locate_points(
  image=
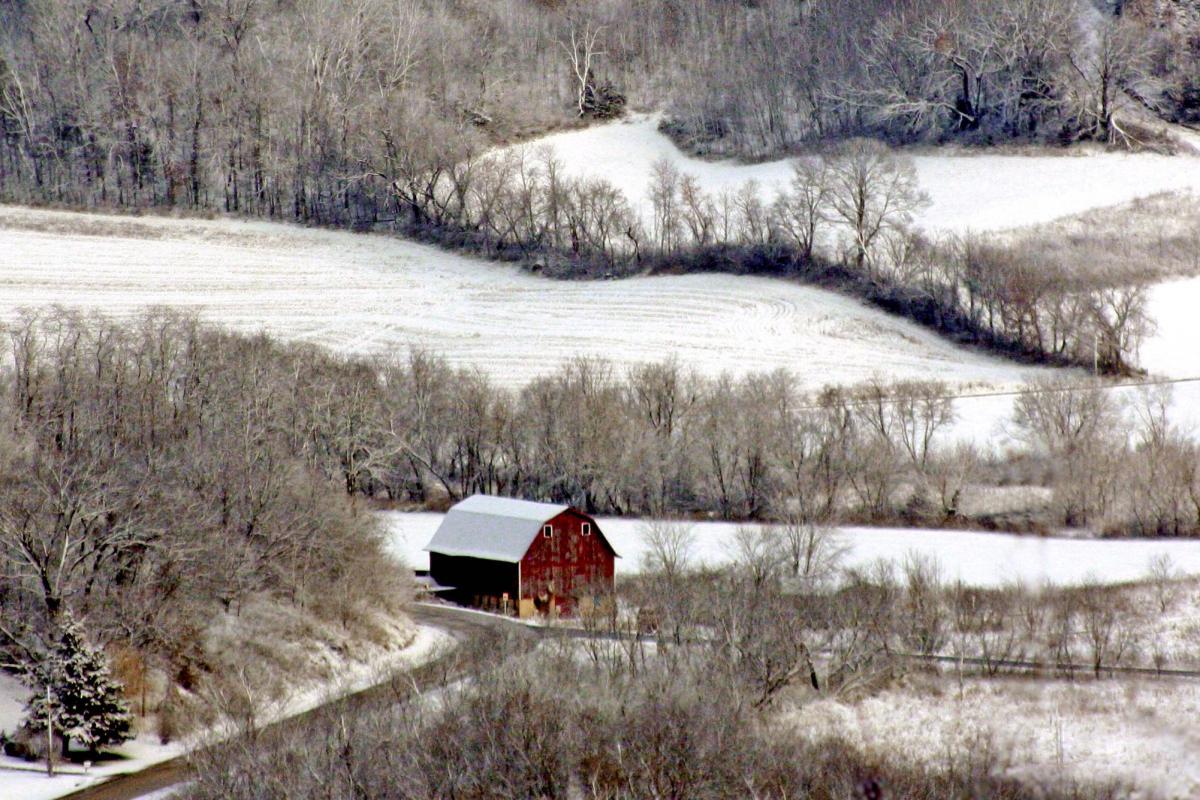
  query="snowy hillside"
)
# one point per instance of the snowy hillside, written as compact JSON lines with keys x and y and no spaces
{"x":1174,"y":349}
{"x":967,"y":190}
{"x":364,"y":666}
{"x":379,"y":295}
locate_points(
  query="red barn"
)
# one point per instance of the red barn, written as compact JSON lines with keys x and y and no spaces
{"x":520,"y":557}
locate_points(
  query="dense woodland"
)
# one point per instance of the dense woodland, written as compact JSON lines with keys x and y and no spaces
{"x":154,"y":476}
{"x":315,"y":110}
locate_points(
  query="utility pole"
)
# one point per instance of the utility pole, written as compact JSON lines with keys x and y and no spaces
{"x":49,"y":735}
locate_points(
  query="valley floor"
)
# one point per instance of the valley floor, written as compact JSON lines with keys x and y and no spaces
{"x":976,"y":558}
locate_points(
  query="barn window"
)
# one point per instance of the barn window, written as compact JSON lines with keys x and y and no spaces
{"x":587,"y":529}
{"x":548,"y":531}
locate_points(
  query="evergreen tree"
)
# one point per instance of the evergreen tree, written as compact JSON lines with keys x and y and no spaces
{"x":83,"y":700}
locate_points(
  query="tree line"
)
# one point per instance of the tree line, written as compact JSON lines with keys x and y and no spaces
{"x":994,"y":71}
{"x":96,"y":395}
{"x":794,"y":614}
{"x":161,"y":458}
{"x":307,"y":109}
{"x":842,"y":220}
{"x":661,"y":440}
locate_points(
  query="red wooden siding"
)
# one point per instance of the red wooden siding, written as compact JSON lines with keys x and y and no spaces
{"x":567,"y":565}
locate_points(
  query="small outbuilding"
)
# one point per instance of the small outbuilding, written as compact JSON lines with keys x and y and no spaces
{"x":521,"y":557}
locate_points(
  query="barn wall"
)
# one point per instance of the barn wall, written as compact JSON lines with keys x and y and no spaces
{"x":477,"y":581}
{"x":568,"y":565}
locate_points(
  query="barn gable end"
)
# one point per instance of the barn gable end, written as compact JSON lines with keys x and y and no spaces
{"x":567,"y":564}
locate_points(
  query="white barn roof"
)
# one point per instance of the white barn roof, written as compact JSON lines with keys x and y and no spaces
{"x":495,"y":528}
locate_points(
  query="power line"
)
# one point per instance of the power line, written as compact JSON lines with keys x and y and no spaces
{"x":1030,"y":389}
{"x":1035,"y":389}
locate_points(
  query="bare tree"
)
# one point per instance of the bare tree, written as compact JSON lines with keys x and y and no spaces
{"x":670,"y":548}
{"x":801,"y":210}
{"x":872,"y":193}
{"x":1164,"y":581}
{"x":699,"y":212}
{"x":1111,"y":65}
{"x":1108,"y":628}
{"x":814,"y":551}
{"x":582,"y":48}
{"x":1077,"y":426}
{"x":758,"y":550}
{"x":984,"y":624}
{"x":1120,"y":321}
{"x":664,"y":198}
{"x":924,"y":615}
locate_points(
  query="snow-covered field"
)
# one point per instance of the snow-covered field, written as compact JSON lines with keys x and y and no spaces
{"x":967,"y":190}
{"x":1136,"y":733}
{"x":380,"y":295}
{"x":1174,"y":348}
{"x":977,"y":558}
{"x":22,"y":781}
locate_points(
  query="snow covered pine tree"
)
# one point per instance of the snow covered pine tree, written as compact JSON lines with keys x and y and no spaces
{"x":74,"y":687}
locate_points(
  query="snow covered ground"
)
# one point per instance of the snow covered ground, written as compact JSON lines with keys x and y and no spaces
{"x":1174,"y":348}
{"x":380,"y":295}
{"x":23,"y":781}
{"x":429,"y":643}
{"x":977,"y":558}
{"x":1140,"y":734}
{"x":968,"y":190}
{"x":12,"y":702}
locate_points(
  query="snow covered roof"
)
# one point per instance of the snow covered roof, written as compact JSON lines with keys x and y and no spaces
{"x":495,"y":528}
